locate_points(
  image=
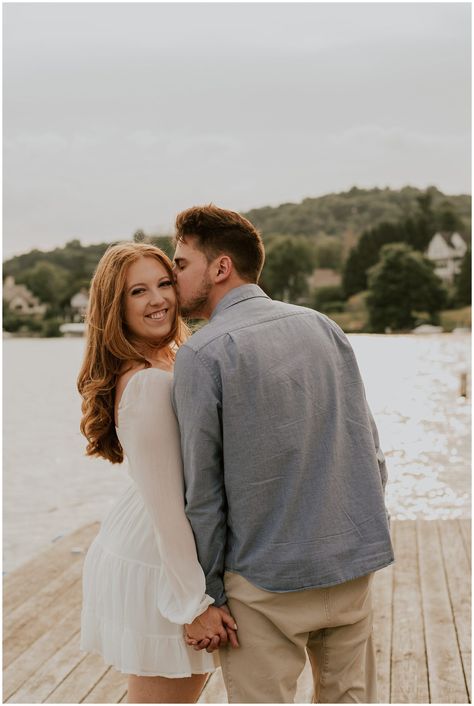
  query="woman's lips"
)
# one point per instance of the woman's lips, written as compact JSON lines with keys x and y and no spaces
{"x":157,"y":315}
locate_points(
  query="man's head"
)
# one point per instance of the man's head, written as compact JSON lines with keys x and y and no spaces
{"x":216,"y":251}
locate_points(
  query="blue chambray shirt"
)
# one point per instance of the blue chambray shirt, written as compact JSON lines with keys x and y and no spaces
{"x":283,"y":470}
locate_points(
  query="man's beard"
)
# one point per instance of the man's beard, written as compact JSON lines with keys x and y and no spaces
{"x":198,"y":302}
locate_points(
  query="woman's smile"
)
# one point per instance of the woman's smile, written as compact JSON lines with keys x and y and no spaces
{"x":157,"y":315}
{"x":150,"y":299}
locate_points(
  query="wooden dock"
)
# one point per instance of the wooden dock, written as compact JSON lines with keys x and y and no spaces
{"x":422,"y":624}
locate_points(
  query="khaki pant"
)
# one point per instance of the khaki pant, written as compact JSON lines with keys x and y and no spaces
{"x":332,"y":625}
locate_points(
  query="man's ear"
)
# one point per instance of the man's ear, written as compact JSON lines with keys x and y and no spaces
{"x":224,"y":267}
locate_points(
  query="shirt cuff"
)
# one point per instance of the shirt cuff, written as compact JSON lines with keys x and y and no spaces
{"x":203,"y":606}
{"x":215,"y":588}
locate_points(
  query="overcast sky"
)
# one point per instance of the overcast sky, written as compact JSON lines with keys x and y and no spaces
{"x":117,"y":116}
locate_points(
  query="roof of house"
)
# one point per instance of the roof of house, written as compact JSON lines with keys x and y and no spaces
{"x":11,"y":291}
{"x":447,"y":237}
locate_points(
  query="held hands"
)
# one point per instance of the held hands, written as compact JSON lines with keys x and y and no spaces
{"x":212,"y":629}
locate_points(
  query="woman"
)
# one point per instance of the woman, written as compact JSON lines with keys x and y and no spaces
{"x":142,"y":580}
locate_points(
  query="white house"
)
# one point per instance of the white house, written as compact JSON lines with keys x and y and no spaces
{"x":447,"y":250}
{"x":79,"y":304}
{"x":20,"y":299}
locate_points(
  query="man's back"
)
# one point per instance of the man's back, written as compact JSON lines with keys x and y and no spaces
{"x":280,"y":448}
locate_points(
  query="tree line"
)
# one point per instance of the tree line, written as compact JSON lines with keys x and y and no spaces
{"x":352,"y":212}
{"x":398,"y":279}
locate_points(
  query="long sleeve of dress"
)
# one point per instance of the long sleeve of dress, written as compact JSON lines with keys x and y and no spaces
{"x":149,"y":432}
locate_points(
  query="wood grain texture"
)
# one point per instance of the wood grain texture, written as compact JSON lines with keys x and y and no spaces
{"x":111,"y":688}
{"x":457,"y":567}
{"x":466,"y":532}
{"x":446,"y":674}
{"x":409,"y":680}
{"x":382,"y":601}
{"x":41,"y":650}
{"x":45,"y":680}
{"x":422,"y":625}
{"x":22,"y":583}
{"x":79,"y":682}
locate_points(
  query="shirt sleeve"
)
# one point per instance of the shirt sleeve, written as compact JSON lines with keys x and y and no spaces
{"x":378,"y":451}
{"x":149,"y":429}
{"x":342,"y":338}
{"x":198,"y":406}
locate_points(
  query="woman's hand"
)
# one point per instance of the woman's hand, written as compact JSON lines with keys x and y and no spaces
{"x":212,"y":629}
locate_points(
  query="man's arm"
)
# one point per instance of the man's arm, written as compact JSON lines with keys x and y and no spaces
{"x":197,"y":403}
{"x":349,"y":351}
{"x":378,"y":450}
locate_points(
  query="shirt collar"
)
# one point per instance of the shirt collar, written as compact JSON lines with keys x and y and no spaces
{"x":237,"y":295}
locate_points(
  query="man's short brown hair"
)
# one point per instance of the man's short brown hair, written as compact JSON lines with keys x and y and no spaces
{"x":220,"y":232}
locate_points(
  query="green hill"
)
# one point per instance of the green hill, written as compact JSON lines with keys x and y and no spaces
{"x":356,"y":210}
{"x":334,"y":221}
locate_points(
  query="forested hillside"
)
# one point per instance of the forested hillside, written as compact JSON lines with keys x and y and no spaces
{"x":344,"y":232}
{"x":358,"y":209}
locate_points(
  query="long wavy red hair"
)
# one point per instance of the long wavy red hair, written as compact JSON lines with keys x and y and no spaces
{"x":110,"y":349}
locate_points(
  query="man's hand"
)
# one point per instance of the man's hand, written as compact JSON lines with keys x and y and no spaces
{"x":231,"y":629}
{"x":212,"y":629}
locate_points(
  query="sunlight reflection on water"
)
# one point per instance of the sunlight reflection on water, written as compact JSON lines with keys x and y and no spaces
{"x":413,"y":386}
{"x":51,"y":488}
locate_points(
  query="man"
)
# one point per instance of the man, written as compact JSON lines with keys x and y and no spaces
{"x":284,"y":474}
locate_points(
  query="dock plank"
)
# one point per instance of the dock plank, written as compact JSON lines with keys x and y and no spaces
{"x":447,"y":683}
{"x":29,"y":632}
{"x":382,"y":599}
{"x":22,"y":583}
{"x":411,"y":618}
{"x":304,"y":687}
{"x":110,"y":689}
{"x":29,"y":661}
{"x":37,"y":688}
{"x":465,"y":526}
{"x":409,"y":673}
{"x":79,"y":682}
{"x":214,"y":689}
{"x":41,"y":599}
{"x":456,"y":570}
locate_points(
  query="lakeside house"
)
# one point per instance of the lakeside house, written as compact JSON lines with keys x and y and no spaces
{"x":447,"y":250}
{"x":78,"y":304}
{"x":20,"y":300}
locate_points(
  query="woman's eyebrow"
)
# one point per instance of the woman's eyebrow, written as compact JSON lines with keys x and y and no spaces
{"x":143,"y":284}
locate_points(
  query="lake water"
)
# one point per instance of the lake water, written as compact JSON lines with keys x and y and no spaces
{"x":50,"y":488}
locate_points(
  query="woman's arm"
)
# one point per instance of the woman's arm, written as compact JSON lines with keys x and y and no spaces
{"x":149,"y":430}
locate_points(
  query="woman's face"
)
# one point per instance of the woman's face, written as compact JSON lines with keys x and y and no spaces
{"x":150,"y":299}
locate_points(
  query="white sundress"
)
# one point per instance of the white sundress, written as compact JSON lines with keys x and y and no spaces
{"x":141,"y":579}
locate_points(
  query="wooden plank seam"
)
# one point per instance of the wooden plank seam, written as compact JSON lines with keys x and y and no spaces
{"x":391,"y":626}
{"x":451,"y":603}
{"x":423,"y":612}
{"x":423,"y":556}
{"x":64,"y":678}
{"x":83,"y":698}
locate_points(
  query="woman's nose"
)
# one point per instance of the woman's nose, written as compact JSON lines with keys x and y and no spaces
{"x":157,"y":297}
